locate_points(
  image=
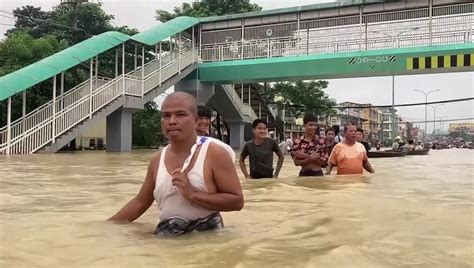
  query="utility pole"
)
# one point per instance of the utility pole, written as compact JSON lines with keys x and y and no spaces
{"x":395,"y":44}
{"x":434,"y":115}
{"x":426,"y":106}
{"x":75,"y":14}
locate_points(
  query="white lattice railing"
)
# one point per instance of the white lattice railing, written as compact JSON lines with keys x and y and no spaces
{"x":446,"y":29}
{"x":45,"y":111}
{"x":78,"y":104}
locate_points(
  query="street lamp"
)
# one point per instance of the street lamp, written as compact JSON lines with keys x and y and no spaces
{"x":441,"y":125}
{"x":426,"y":106}
{"x":396,"y":43}
{"x":434,"y":115}
{"x":394,"y":38}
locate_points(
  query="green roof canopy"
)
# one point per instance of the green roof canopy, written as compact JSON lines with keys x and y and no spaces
{"x":159,"y":32}
{"x":40,"y":71}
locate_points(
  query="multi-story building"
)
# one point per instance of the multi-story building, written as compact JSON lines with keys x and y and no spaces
{"x":462,"y":130}
{"x":372,"y":122}
{"x":390,"y":128}
{"x":351,"y":115}
{"x":416,"y":133}
{"x":402,"y":129}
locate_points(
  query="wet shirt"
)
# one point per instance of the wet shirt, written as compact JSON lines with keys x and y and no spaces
{"x":260,"y":157}
{"x":348,"y":158}
{"x":310,"y":147}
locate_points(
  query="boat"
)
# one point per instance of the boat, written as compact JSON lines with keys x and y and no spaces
{"x":387,"y":153}
{"x":419,"y":152}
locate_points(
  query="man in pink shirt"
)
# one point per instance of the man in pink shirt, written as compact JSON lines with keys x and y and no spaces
{"x":349,"y":156}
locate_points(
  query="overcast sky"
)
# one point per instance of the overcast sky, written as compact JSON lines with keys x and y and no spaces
{"x":140,"y":14}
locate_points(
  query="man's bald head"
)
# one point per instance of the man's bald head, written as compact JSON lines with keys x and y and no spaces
{"x":182,"y":98}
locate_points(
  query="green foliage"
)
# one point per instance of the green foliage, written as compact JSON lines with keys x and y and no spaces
{"x":147,"y":127}
{"x":90,"y":17}
{"x":205,"y":8}
{"x":21,"y":49}
{"x":303,"y":97}
{"x":27,"y":21}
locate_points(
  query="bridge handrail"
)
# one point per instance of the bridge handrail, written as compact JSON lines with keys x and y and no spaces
{"x":40,"y":134}
{"x":41,"y":113}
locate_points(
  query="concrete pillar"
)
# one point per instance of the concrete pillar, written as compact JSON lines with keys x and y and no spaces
{"x":119,"y":130}
{"x":202,"y":91}
{"x":237,"y":130}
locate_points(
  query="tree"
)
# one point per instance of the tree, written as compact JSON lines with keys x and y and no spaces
{"x":302,"y":97}
{"x":146,"y":129}
{"x":27,"y":19}
{"x":19,"y":50}
{"x":38,"y":34}
{"x":205,"y":8}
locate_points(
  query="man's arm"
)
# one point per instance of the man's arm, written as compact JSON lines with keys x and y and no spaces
{"x":143,"y":200}
{"x":329,"y":169}
{"x":332,"y":160}
{"x":277,"y":150}
{"x":244,"y":155}
{"x":229,"y":196}
{"x":315,"y":159}
{"x":367,"y":166}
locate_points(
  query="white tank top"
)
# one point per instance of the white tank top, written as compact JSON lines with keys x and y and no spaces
{"x":170,"y":202}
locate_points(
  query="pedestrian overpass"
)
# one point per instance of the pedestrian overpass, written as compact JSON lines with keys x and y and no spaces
{"x":209,"y":56}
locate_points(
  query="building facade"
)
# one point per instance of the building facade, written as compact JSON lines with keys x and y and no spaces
{"x":372,"y":121}
{"x":390,"y":126}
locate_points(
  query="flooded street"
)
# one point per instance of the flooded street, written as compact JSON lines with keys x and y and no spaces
{"x":416,"y":211}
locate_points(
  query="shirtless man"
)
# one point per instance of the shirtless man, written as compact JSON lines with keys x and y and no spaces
{"x":190,"y":188}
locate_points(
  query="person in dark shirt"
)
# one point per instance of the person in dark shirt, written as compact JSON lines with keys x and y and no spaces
{"x":260,"y":151}
{"x":360,"y":139}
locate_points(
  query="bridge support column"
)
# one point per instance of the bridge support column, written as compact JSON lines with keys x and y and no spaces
{"x":237,"y":132}
{"x":202,"y":91}
{"x":119,"y":130}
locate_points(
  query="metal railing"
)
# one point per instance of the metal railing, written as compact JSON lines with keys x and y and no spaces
{"x":45,"y":111}
{"x":387,"y":30}
{"x":77,"y":106}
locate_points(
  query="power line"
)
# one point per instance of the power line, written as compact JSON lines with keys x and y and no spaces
{"x":5,"y":16}
{"x":444,"y":120}
{"x":381,"y":106}
{"x":46,"y":21}
{"x":6,"y":24}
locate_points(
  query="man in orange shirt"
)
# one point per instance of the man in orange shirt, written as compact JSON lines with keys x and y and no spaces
{"x":349,"y":156}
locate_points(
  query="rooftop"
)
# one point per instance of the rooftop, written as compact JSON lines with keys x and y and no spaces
{"x":280,"y":11}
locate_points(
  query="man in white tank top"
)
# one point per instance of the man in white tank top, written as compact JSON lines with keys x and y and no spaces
{"x":191,"y":179}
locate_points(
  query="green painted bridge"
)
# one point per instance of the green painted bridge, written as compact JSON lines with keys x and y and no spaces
{"x":401,"y":61}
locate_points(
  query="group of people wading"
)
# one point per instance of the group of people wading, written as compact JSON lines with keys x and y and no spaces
{"x":311,"y":152}
{"x":193,"y":178}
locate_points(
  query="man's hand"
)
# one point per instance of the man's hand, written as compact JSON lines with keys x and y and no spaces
{"x":301,"y":155}
{"x":316,"y":157}
{"x":181,"y":181}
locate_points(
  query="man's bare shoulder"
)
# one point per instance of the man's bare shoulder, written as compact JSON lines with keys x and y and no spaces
{"x":218,"y":153}
{"x":155,"y":160}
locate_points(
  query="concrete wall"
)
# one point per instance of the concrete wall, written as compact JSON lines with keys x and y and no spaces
{"x":96,"y":131}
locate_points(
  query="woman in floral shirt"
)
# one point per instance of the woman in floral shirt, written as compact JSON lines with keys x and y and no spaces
{"x":309,"y":151}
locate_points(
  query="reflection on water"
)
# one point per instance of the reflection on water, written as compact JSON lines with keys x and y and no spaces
{"x":416,"y":211}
